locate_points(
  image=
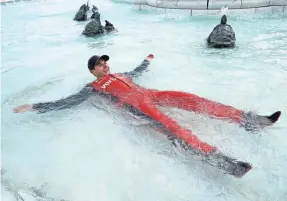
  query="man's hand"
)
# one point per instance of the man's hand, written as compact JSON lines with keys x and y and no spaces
{"x":149,"y":57}
{"x":23,"y":108}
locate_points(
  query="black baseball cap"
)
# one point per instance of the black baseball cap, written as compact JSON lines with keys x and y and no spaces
{"x":95,"y":59}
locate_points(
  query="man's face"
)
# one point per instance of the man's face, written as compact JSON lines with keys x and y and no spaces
{"x":101,"y":69}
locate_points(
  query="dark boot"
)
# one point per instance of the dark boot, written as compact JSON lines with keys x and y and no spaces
{"x":254,"y":121}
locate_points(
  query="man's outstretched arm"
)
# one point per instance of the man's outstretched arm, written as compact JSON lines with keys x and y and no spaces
{"x":64,"y":103}
{"x":140,"y":68}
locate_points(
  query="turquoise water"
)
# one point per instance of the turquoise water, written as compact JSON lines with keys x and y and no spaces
{"x":84,"y":153}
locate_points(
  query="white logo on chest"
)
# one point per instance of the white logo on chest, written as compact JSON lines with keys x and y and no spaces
{"x":107,"y":83}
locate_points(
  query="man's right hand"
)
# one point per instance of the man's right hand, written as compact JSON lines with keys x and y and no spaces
{"x":23,"y":108}
{"x":150,"y":57}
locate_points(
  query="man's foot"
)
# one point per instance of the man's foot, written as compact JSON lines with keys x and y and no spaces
{"x":274,"y":117}
{"x":253,"y":121}
{"x":228,"y":165}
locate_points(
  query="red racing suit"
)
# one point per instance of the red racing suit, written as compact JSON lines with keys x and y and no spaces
{"x":146,"y":100}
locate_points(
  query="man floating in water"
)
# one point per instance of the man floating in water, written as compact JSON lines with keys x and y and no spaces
{"x":143,"y":102}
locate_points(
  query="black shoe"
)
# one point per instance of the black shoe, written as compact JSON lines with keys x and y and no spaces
{"x":228,"y":165}
{"x":253,"y":121}
{"x":274,"y":117}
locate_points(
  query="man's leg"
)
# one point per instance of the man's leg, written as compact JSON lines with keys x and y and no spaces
{"x":189,"y":141}
{"x":191,"y":102}
{"x":168,"y":124}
